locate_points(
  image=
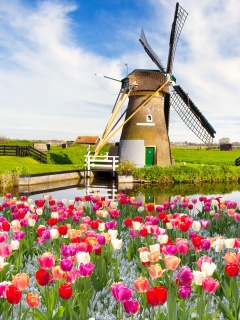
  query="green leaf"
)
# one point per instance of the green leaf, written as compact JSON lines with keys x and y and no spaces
{"x":37,"y":315}
{"x":225,"y":311}
{"x":59,"y":313}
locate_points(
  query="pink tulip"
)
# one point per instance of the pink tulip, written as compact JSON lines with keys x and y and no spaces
{"x":5,"y":250}
{"x":182,"y":246}
{"x":3,"y":236}
{"x":120,"y":292}
{"x":131,"y":306}
{"x":47,"y":260}
{"x":210,"y":285}
{"x":85,"y":270}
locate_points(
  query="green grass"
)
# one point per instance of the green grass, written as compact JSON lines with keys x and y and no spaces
{"x":59,"y":159}
{"x":204,"y":156}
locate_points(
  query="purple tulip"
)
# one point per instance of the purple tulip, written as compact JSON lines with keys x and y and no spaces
{"x":155,"y":220}
{"x":18,"y":235}
{"x":66,"y":265}
{"x":101,"y":239}
{"x":111,"y":225}
{"x":24,"y":223}
{"x":46,"y":234}
{"x":185,"y":276}
{"x":205,"y":244}
{"x":184,"y":292}
{"x":68,"y":250}
{"x":204,"y":223}
{"x":170,"y":249}
{"x":131,"y":306}
{"x":75,"y":218}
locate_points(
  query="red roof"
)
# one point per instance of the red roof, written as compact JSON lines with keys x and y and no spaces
{"x":87,"y":139}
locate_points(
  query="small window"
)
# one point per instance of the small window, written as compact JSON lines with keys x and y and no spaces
{"x":149,"y":118}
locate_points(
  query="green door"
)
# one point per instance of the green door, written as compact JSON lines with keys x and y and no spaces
{"x":149,"y":156}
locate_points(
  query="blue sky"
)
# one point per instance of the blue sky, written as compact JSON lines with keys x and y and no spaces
{"x":51,"y":50}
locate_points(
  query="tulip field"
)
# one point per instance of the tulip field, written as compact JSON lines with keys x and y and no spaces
{"x":91,"y":258}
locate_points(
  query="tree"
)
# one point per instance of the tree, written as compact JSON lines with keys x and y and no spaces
{"x":224,"y":140}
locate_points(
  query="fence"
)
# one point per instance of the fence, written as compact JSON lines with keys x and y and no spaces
{"x":23,"y":151}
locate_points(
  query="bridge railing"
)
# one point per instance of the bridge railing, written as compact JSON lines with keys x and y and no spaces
{"x":101,"y":162}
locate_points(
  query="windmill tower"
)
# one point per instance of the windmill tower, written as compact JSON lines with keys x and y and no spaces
{"x":144,"y":139}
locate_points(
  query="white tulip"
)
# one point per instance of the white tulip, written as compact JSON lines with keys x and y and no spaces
{"x":54,"y":234}
{"x":154,"y":247}
{"x":136,"y":225}
{"x":54,"y":214}
{"x":196,"y":226}
{"x":101,"y":226}
{"x":144,"y":256}
{"x":15,"y":244}
{"x":113,"y":233}
{"x":229,"y":243}
{"x":198,"y":277}
{"x":116,"y":244}
{"x":39,"y":211}
{"x":83,"y":257}
{"x":163,"y":238}
{"x":208,"y":268}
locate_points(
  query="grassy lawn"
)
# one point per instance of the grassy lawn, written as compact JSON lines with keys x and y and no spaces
{"x":72,"y":158}
{"x":204,"y":156}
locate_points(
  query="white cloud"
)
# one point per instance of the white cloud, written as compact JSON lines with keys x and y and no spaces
{"x":48,"y":87}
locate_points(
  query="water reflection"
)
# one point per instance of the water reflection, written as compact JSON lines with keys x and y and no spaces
{"x":143,"y":192}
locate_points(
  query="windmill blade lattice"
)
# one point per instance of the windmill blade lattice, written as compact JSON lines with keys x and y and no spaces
{"x":191,"y":115}
{"x":178,"y":23}
{"x":150,"y":52}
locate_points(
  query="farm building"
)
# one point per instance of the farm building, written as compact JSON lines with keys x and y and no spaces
{"x":92,"y":140}
{"x":225,"y":147}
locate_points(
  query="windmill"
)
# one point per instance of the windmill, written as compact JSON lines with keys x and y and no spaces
{"x":144,"y":138}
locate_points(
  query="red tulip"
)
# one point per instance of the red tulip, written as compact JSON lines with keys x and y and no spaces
{"x":42,"y":277}
{"x":52,"y":221}
{"x":94,"y":224}
{"x":13,"y":294}
{"x":184,"y":226}
{"x":63,"y":230}
{"x":6,"y":226}
{"x":156,"y":295}
{"x":139,"y":219}
{"x":232,"y":269}
{"x":128,"y":222}
{"x":162,"y":215}
{"x":65,"y":291}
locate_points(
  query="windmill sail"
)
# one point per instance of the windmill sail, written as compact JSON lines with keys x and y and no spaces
{"x":178,"y":23}
{"x":150,"y":52}
{"x":191,"y":115}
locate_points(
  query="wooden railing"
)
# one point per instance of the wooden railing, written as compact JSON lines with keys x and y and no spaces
{"x":23,"y":151}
